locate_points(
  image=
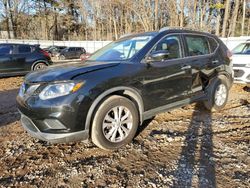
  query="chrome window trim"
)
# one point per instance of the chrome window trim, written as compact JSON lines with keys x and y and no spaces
{"x":183,"y":50}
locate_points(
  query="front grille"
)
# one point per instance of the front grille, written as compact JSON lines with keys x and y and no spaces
{"x":238,"y":73}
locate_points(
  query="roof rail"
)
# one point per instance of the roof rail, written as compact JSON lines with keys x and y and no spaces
{"x":125,"y":35}
{"x":177,"y":27}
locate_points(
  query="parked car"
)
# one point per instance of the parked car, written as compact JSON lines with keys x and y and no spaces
{"x":123,"y":84}
{"x":17,"y":59}
{"x":241,"y":63}
{"x":54,"y":50}
{"x":72,"y":53}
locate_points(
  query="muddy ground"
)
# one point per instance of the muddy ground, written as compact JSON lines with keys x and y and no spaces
{"x":185,"y":147}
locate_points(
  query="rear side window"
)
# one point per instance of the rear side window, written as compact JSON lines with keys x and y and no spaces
{"x":197,"y":45}
{"x":24,"y":49}
{"x":6,"y":49}
{"x":213,"y":44}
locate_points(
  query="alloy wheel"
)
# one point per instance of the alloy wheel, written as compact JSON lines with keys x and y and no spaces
{"x":117,"y":124}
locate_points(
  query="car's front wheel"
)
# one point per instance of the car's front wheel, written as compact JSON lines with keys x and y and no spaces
{"x":115,"y":123}
{"x":217,"y":95}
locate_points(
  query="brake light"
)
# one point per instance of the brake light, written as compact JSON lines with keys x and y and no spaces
{"x":229,"y":54}
{"x":45,"y":53}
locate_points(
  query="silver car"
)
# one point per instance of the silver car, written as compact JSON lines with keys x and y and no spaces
{"x":241,"y":63}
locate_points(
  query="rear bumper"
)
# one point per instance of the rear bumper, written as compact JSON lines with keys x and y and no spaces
{"x":241,"y":75}
{"x":35,"y":132}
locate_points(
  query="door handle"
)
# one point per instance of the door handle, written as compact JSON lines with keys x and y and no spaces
{"x":186,"y":67}
{"x":215,"y":61}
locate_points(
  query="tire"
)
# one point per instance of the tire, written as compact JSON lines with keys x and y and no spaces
{"x":217,"y":95}
{"x":101,"y":133}
{"x":62,"y":57}
{"x":39,"y":66}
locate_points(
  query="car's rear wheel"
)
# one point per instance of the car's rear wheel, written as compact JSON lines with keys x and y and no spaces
{"x":217,"y":95}
{"x":39,"y":66}
{"x":115,"y":123}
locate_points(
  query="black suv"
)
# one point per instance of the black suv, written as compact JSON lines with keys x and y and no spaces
{"x":17,"y":59}
{"x":123,"y":84}
{"x":72,"y":53}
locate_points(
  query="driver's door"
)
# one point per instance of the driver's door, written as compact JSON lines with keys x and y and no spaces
{"x":167,"y":82}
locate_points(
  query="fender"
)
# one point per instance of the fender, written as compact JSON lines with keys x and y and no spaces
{"x":126,"y":91}
{"x":229,"y":78}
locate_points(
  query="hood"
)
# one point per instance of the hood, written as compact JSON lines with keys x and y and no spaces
{"x":67,"y":71}
{"x":240,"y":59}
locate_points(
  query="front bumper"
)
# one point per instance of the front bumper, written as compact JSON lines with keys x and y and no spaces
{"x":35,"y":132}
{"x":241,"y":75}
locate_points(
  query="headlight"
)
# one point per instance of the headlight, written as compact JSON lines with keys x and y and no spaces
{"x":59,"y":89}
{"x":22,"y":90}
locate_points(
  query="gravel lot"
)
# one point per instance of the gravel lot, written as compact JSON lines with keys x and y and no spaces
{"x":185,"y":147}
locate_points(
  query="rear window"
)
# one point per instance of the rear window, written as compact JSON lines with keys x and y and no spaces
{"x":24,"y":49}
{"x":197,"y":45}
{"x":6,"y":49}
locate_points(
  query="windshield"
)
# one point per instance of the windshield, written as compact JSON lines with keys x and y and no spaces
{"x":122,"y":49}
{"x":242,"y":49}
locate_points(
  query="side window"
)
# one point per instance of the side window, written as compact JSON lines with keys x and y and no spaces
{"x":24,"y":49}
{"x":213,"y":44}
{"x":6,"y":49}
{"x":197,"y":45}
{"x":171,"y":44}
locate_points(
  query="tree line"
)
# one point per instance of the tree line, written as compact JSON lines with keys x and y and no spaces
{"x":109,"y":19}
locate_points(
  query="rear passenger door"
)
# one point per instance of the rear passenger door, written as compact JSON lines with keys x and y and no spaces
{"x":20,"y":56}
{"x":77,"y":53}
{"x":201,"y":57}
{"x":71,"y":53}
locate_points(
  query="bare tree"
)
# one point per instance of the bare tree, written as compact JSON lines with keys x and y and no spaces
{"x":109,"y":19}
{"x":226,"y":16}
{"x":233,"y":21}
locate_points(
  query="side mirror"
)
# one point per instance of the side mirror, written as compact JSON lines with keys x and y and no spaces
{"x":158,"y":56}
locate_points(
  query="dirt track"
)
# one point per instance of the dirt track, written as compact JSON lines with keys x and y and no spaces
{"x":185,"y":147}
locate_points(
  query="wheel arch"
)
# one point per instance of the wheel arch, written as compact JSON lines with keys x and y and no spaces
{"x":127,"y":92}
{"x":38,"y":61}
{"x":224,"y":75}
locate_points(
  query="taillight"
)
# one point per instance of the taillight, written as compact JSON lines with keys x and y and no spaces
{"x":45,"y":53}
{"x":229,"y":54}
